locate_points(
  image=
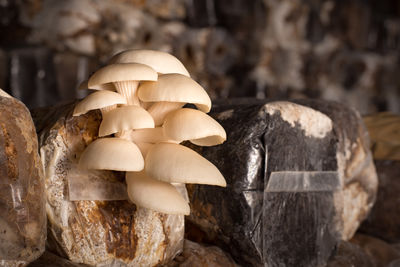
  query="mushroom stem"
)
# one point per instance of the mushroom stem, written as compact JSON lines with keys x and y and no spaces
{"x":129,"y":90}
{"x":160,"y":109}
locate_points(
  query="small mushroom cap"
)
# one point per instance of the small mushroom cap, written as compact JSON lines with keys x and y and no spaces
{"x":98,"y":100}
{"x":107,"y":86}
{"x":125,"y":118}
{"x":175,"y":163}
{"x":160,"y":61}
{"x":122,"y":72}
{"x":194,"y":125}
{"x":156,"y":195}
{"x":175,"y":88}
{"x":112,"y":154}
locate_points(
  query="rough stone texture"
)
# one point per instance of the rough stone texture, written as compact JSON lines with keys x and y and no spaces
{"x":380,"y":252}
{"x":197,"y":255}
{"x":262,"y":139}
{"x":348,"y":254}
{"x":22,"y":202}
{"x":384,"y":219}
{"x":102,"y":233}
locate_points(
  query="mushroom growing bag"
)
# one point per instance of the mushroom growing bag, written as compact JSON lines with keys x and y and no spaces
{"x":268,"y":137}
{"x":100,"y":226}
{"x":22,"y":200}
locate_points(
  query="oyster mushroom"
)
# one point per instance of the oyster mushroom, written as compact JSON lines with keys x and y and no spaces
{"x":171,"y":92}
{"x":112,"y":154}
{"x":178,"y":164}
{"x":125,"y":77}
{"x":103,"y":100}
{"x":125,"y":118}
{"x":160,"y":61}
{"x":195,"y":126}
{"x":175,"y":88}
{"x":156,"y":195}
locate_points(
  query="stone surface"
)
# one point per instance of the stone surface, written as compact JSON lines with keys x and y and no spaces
{"x":384,"y":219}
{"x":281,"y":136}
{"x":22,"y":202}
{"x":198,"y":255}
{"x":103,"y":233}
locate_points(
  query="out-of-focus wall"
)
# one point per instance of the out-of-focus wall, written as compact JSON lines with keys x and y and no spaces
{"x":340,"y":50}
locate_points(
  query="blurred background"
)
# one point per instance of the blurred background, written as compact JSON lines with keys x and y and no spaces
{"x":346,"y":51}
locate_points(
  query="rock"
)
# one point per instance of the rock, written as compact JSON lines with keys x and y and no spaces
{"x":381,"y":253}
{"x":49,"y":259}
{"x":349,"y":255}
{"x":384,"y":219}
{"x":103,"y":233}
{"x":197,"y":255}
{"x":22,"y":202}
{"x":283,"y":136}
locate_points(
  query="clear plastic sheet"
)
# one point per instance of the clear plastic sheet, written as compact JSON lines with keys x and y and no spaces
{"x":94,"y":185}
{"x":299,"y":208}
{"x":22,"y":201}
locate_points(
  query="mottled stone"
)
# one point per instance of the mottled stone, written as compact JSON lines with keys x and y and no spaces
{"x":22,"y":202}
{"x":198,"y":255}
{"x":282,"y":136}
{"x":104,"y":233}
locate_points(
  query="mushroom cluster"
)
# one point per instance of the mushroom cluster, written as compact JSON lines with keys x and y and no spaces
{"x":141,"y":95}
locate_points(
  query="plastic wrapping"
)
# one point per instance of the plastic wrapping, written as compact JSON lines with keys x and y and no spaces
{"x":100,"y":233}
{"x":22,"y":202}
{"x":299,"y":207}
{"x":266,"y":137}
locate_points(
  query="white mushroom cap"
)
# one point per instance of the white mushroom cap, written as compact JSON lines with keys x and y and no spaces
{"x":125,"y":118}
{"x":175,"y":88}
{"x":122,"y":72}
{"x":144,"y":148}
{"x":160,"y":61}
{"x":112,"y":154}
{"x":178,"y":164}
{"x":156,"y":195}
{"x":98,"y":100}
{"x":107,"y":86}
{"x":194,"y":125}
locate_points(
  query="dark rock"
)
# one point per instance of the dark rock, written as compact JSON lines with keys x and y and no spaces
{"x":348,"y":254}
{"x":49,"y":259}
{"x":380,"y":252}
{"x":282,"y":136}
{"x":96,"y":232}
{"x":22,"y":202}
{"x":384,"y":219}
